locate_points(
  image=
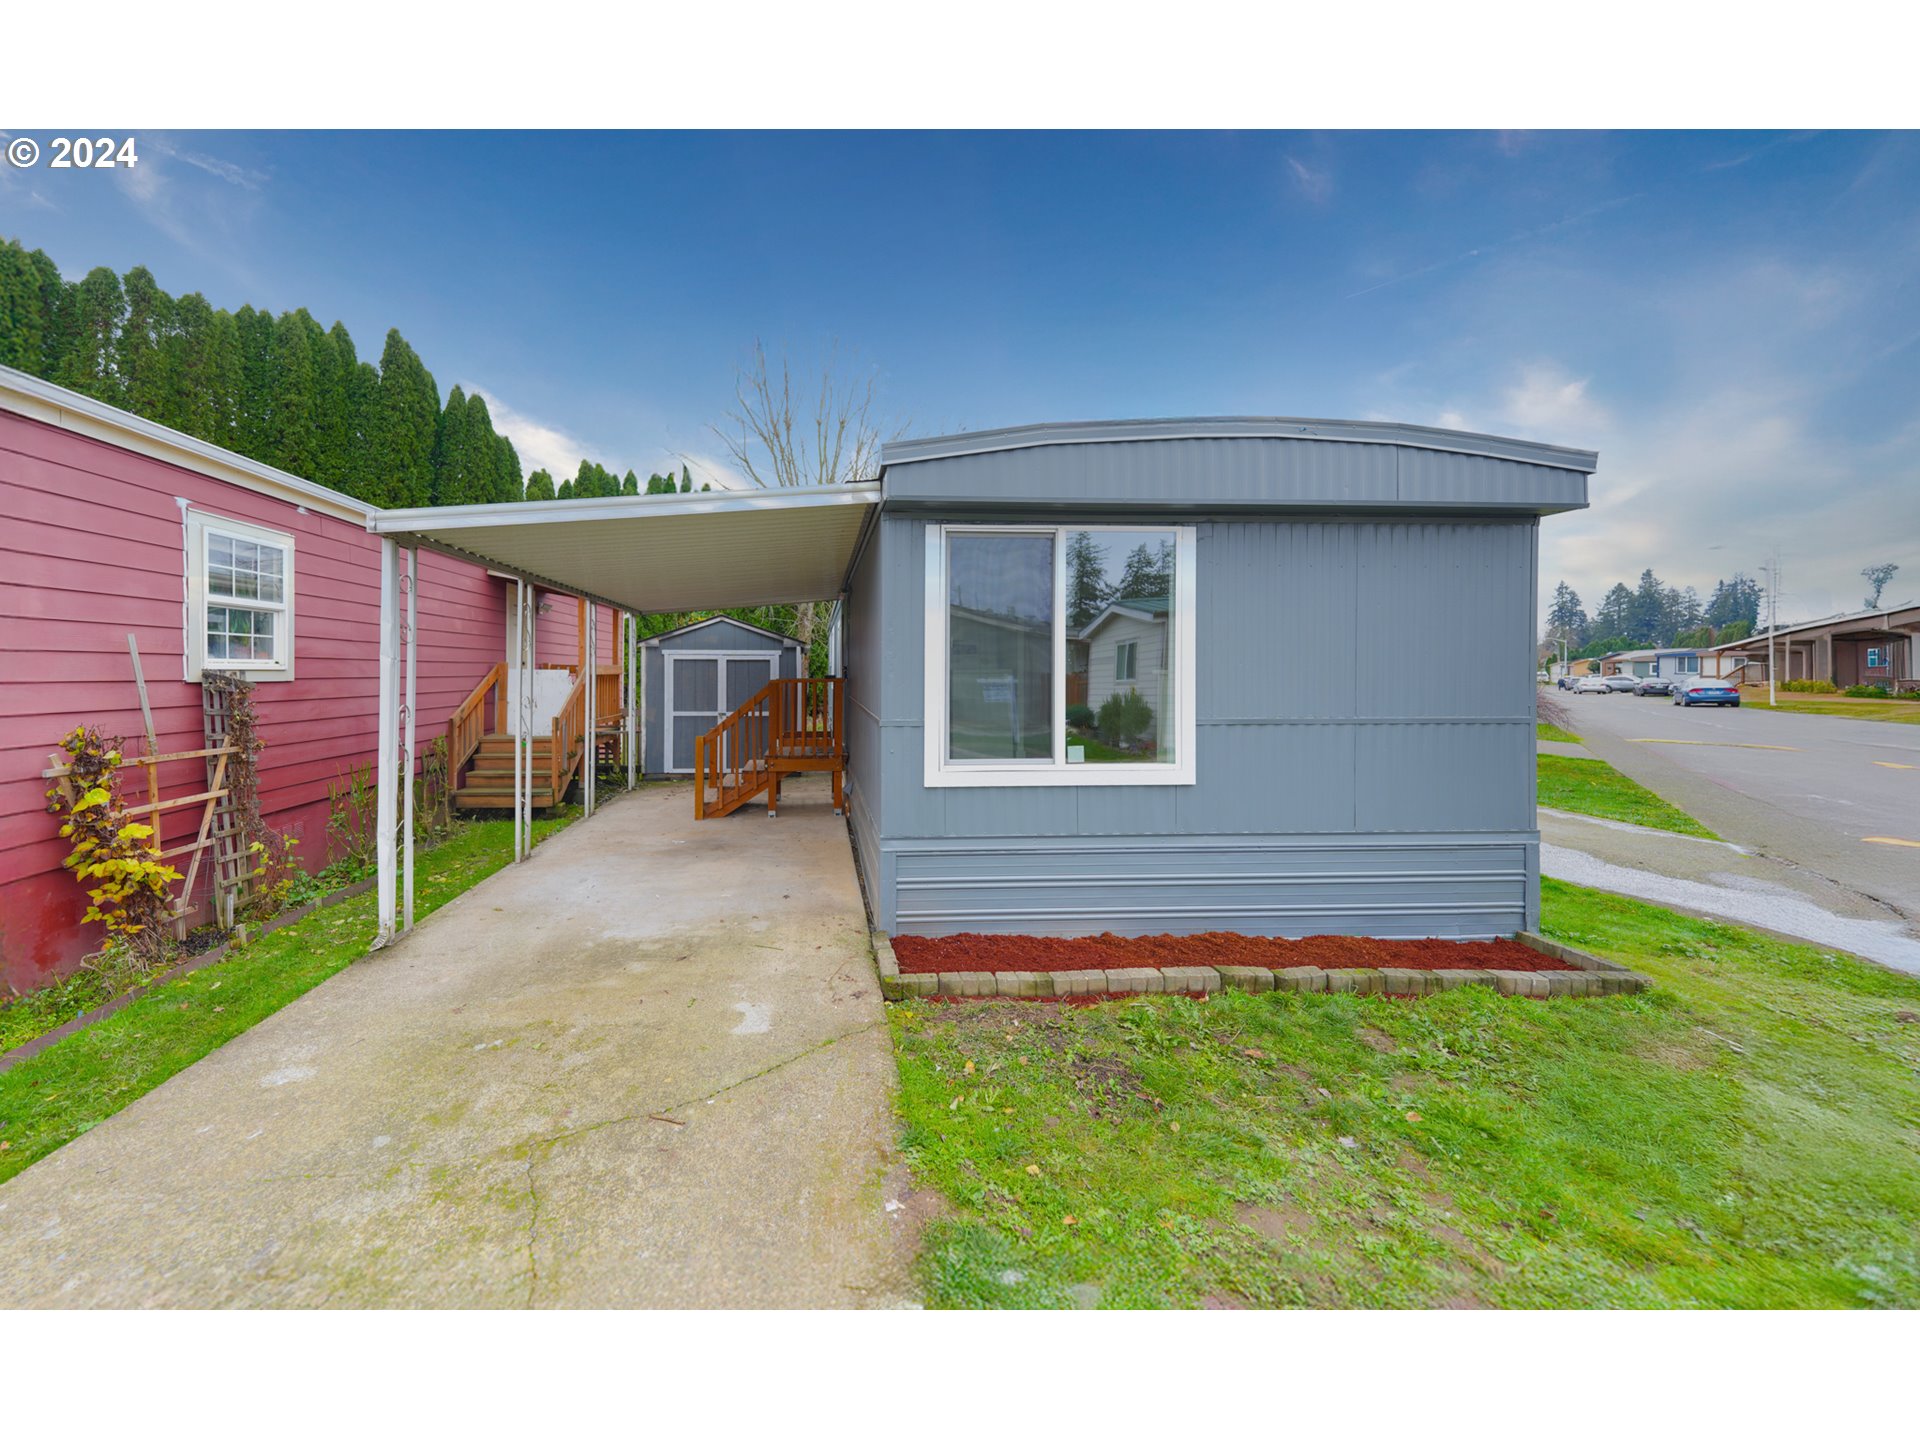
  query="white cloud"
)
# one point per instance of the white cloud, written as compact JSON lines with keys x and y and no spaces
{"x":540,"y":446}
{"x":1546,"y":403}
{"x":1316,"y":185}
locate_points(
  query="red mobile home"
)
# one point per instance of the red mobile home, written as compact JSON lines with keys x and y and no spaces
{"x":115,"y":526}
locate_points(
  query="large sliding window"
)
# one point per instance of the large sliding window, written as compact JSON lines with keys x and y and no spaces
{"x":1059,"y":655}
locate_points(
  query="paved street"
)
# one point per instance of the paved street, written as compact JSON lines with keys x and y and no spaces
{"x":1816,"y":798}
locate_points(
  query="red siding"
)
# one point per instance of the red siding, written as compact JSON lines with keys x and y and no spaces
{"x":91,"y":548}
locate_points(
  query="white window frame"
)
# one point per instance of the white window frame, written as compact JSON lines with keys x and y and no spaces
{"x":939,"y":772}
{"x":1879,"y":657}
{"x":1130,"y":649}
{"x":201,"y":527}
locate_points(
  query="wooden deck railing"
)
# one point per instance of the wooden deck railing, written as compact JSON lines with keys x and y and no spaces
{"x":467,"y":726}
{"x":786,"y":726}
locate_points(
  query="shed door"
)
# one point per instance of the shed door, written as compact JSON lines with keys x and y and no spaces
{"x":701,"y":691}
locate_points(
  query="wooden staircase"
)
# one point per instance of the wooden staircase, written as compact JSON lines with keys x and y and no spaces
{"x":480,"y":751}
{"x":789,"y":727}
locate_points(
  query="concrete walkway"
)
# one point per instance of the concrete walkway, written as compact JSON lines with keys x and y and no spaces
{"x":648,"y":1067}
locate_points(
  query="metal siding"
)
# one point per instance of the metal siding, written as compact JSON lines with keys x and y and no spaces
{"x":1364,"y":709}
{"x":1435,"y":478}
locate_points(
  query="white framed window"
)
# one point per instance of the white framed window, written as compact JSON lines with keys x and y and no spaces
{"x":1689,"y":664}
{"x":1011,"y":609}
{"x":239,"y":598}
{"x":1876,"y":657}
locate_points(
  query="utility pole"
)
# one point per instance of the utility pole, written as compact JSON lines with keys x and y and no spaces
{"x":1773,"y":619}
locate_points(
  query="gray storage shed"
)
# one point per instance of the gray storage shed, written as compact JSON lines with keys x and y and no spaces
{"x":691,"y":678}
{"x":1269,"y":676}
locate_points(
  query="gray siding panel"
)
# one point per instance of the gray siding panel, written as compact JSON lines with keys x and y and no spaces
{"x":1438,"y":479}
{"x":1364,"y":707}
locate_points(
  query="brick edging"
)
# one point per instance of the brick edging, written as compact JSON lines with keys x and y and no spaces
{"x":1592,"y":977}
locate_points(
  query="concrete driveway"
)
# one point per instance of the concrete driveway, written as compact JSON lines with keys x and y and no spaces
{"x":648,"y":1067}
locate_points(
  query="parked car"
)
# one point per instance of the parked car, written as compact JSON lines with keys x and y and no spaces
{"x":1590,"y":685}
{"x":1655,"y":685}
{"x":1622,"y":683}
{"x":1695,"y":691}
{"x":1567,"y":682}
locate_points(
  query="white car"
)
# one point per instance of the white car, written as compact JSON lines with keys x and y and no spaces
{"x":1591,"y":685}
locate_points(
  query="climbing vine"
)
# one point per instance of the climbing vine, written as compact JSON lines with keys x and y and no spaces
{"x":112,"y":855}
{"x":275,"y":874}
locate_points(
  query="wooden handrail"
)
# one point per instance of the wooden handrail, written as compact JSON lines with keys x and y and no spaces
{"x":784,"y":720}
{"x":467,"y":725}
{"x":569,"y":726}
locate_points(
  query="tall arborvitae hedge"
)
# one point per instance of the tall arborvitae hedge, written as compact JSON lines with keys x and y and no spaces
{"x":280,"y":390}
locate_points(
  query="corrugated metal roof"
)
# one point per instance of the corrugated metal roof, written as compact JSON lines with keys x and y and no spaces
{"x":654,"y":553}
{"x":1254,"y":427}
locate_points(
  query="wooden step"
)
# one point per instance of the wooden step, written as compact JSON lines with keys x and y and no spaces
{"x":498,"y":800}
{"x":486,"y":784}
{"x":503,"y":745}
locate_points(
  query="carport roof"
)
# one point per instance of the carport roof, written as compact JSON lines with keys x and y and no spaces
{"x":653,"y":553}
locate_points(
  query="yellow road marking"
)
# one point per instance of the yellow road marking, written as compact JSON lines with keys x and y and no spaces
{"x":1895,"y":765}
{"x":1888,"y":840}
{"x":1722,"y":744}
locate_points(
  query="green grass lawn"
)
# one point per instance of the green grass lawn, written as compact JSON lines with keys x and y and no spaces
{"x":1593,"y":787}
{"x":1747,"y":1134}
{"x":1544,"y":731}
{"x":74,"y":1085}
{"x":1899,"y":712}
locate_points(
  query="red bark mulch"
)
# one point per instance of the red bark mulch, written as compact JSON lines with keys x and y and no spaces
{"x":919,"y":955}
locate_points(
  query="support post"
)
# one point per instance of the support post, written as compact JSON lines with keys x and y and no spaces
{"x":630,"y":683}
{"x":387,"y":791}
{"x":510,"y":714}
{"x":529,"y":628}
{"x":412,"y":637}
{"x":591,"y":665}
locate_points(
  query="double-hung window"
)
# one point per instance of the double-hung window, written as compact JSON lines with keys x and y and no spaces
{"x":1013,"y":610}
{"x":239,"y":598}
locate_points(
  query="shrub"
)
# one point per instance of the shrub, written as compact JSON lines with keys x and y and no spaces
{"x":1810,"y":687}
{"x":1080,"y":717}
{"x":1867,"y":692}
{"x":1124,"y":719}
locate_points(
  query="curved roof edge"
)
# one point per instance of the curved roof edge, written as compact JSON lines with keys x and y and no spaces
{"x":1237,"y":427}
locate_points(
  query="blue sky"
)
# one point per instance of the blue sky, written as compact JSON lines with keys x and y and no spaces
{"x":1733,"y":320}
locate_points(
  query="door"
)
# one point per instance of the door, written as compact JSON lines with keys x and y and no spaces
{"x":702,"y":689}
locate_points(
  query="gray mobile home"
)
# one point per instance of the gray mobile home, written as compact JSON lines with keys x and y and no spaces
{"x":1301,"y":655}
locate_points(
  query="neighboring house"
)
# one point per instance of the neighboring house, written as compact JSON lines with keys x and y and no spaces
{"x":1864,"y":647}
{"x":1637,"y":663}
{"x":117,"y":526}
{"x":1127,"y":650}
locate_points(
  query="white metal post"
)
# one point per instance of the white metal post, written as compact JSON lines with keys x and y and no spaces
{"x":509,"y":720}
{"x":388,"y":761}
{"x":630,"y":685}
{"x":591,"y":759}
{"x":412,"y":638}
{"x":528,"y":657}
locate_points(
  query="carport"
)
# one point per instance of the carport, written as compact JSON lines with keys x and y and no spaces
{"x":634,"y":554}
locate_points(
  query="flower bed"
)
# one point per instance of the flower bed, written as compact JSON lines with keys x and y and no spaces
{"x":979,"y":954}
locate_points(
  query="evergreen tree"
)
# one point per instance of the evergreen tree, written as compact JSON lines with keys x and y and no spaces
{"x":566,"y":490}
{"x":205,"y":371}
{"x":1614,"y":619}
{"x":480,"y":464}
{"x":24,"y":321}
{"x":540,"y":486}
{"x":1733,"y":601}
{"x":293,"y":414}
{"x":401,"y":439}
{"x":362,"y":463}
{"x":508,"y":485}
{"x":335,"y":361}
{"x":1646,"y":612}
{"x":660,"y":485}
{"x":1087,"y":588}
{"x":1147,"y":574}
{"x":449,"y":448}
{"x":143,"y":354}
{"x":90,"y":364}
{"x":686,"y":481}
{"x":253,"y":413}
{"x":1566,"y":617}
{"x":630,"y":484}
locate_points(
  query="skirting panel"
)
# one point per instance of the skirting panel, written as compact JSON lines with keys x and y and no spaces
{"x":1452,"y":886}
